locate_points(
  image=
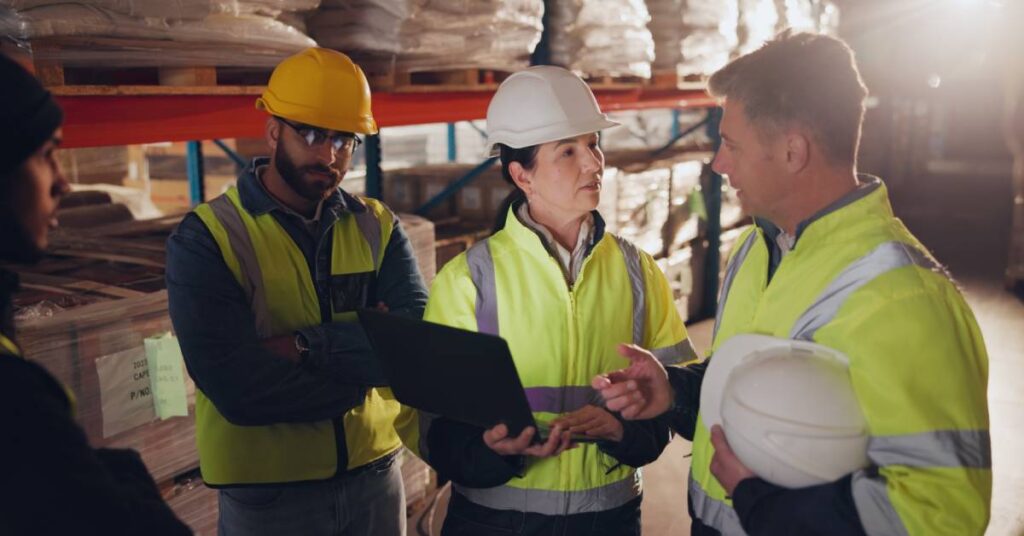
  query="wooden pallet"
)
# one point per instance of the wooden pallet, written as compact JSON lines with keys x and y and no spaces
{"x":613,"y":83}
{"x":671,"y":79}
{"x":438,"y":80}
{"x":57,"y":72}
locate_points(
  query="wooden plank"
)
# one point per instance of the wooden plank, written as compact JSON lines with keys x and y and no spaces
{"x":75,"y":284}
{"x":671,"y":79}
{"x":187,"y":76}
{"x":80,"y":241}
{"x":128,"y":259}
{"x":147,"y":91}
{"x":97,"y":314}
{"x":142,"y":63}
{"x":428,"y":81}
{"x":615,"y":83}
{"x":49,"y":71}
{"x":61,"y":285}
{"x":163,"y":224}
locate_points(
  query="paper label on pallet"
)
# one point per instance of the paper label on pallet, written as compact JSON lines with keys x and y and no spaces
{"x":126,"y":396}
{"x":167,"y":376}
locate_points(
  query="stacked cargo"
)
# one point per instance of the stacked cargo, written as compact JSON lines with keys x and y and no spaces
{"x":397,"y":37}
{"x":758,"y":22}
{"x":693,"y":37}
{"x":461,"y":219}
{"x":362,"y":28}
{"x":155,"y":33}
{"x":657,"y":202}
{"x":601,"y":38}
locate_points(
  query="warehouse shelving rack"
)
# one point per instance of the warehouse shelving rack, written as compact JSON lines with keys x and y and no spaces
{"x":98,"y":116}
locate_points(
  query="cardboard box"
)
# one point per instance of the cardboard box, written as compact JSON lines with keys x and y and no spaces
{"x":481,"y":199}
{"x":172,"y":195}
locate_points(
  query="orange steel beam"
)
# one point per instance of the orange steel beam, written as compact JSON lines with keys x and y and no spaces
{"x":119,"y":116}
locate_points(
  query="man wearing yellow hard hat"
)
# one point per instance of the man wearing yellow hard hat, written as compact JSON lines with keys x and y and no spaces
{"x":293,"y":424}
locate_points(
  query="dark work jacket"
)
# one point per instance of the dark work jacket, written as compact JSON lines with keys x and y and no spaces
{"x":51,"y":480}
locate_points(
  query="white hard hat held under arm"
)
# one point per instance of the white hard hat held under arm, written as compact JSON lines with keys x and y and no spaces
{"x":542,"y":104}
{"x":787,"y":408}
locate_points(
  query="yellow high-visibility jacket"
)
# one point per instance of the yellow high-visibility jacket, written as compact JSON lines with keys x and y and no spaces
{"x":859,"y":282}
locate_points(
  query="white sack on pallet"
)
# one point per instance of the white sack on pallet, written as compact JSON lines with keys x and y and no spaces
{"x":395,"y":6}
{"x":233,"y":40}
{"x":13,"y":30}
{"x":798,"y":15}
{"x":758,"y":22}
{"x":432,"y":34}
{"x":366,"y":26}
{"x":602,"y":37}
{"x":161,"y":9}
{"x":761,"y":20}
{"x":293,"y":19}
{"x":828,"y":18}
{"x":273,"y":8}
{"x":693,"y":37}
{"x":452,"y":34}
{"x":181,"y":9}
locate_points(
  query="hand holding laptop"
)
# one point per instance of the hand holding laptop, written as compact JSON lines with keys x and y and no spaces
{"x":498,"y":440}
{"x":591,"y":421}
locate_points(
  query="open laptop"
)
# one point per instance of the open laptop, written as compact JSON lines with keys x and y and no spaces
{"x":462,"y":375}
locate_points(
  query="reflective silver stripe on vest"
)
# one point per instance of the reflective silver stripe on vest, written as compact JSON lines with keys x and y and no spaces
{"x":555,"y":503}
{"x":945,"y":448}
{"x":714,"y":513}
{"x":636,"y":284}
{"x":562,"y":399}
{"x":886,"y":257}
{"x":874,"y":508}
{"x":730,"y":274}
{"x":369,"y":225}
{"x":481,"y":271}
{"x":241,"y":244}
{"x":679,"y":352}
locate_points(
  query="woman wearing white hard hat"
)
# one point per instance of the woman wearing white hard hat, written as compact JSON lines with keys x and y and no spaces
{"x":563,"y":293}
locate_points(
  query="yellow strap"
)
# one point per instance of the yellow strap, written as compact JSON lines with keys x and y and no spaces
{"x":9,"y":347}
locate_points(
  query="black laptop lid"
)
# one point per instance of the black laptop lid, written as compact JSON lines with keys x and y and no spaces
{"x":463,"y":375}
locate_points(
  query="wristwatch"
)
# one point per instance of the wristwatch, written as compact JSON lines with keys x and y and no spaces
{"x":302,"y":345}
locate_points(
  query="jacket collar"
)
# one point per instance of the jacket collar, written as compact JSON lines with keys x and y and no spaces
{"x":870,"y":197}
{"x":530,"y":240}
{"x":257,"y":201}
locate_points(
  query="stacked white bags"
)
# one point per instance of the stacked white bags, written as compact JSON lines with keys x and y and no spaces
{"x":601,"y":37}
{"x":243,"y":33}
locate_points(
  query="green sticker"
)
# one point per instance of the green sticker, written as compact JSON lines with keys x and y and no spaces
{"x":696,"y":202}
{"x":167,"y":376}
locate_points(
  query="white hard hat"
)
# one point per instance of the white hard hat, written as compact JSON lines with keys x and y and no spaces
{"x":787,"y":408}
{"x":542,"y":104}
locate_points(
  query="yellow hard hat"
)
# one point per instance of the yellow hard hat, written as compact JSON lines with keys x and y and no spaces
{"x":322,"y":88}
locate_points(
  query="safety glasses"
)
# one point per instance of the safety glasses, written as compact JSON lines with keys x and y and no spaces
{"x":314,"y":136}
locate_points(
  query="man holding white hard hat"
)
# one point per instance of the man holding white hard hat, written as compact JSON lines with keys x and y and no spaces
{"x":846,"y":367}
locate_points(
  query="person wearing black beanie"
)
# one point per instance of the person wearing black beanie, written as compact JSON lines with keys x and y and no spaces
{"x":30,"y":179}
{"x":54,"y":482}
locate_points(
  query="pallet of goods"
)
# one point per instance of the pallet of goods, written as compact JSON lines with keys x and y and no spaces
{"x":146,"y":42}
{"x":414,"y":46}
{"x":604,"y":41}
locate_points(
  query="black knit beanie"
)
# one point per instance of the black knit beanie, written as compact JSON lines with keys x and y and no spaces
{"x":28,"y":115}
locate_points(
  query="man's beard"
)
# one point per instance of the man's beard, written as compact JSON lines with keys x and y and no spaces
{"x":292,"y":175}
